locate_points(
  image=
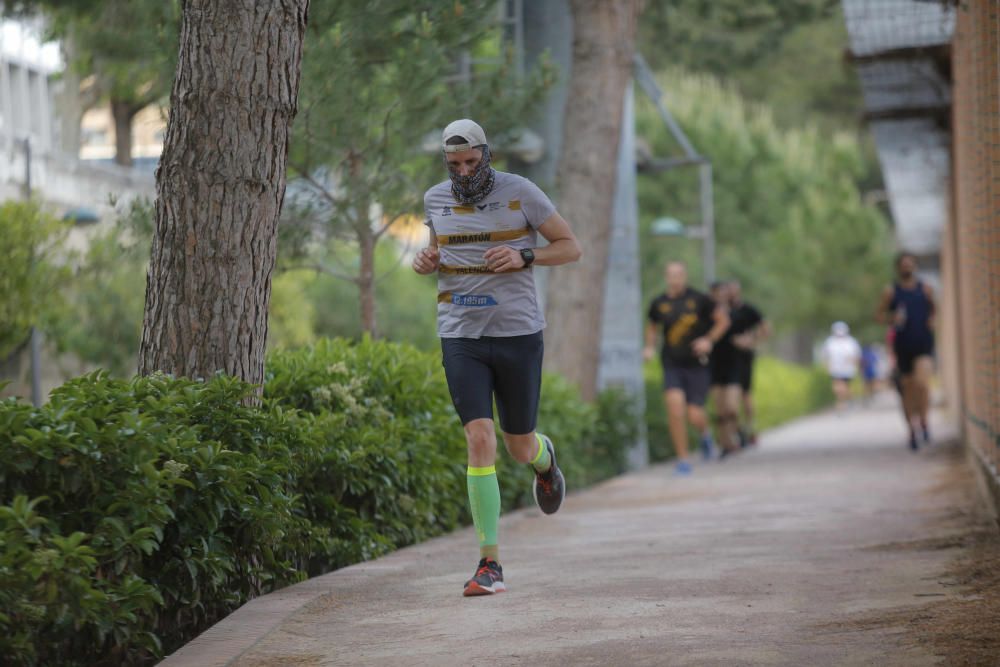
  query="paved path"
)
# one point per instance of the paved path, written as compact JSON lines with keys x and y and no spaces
{"x":762,"y":560}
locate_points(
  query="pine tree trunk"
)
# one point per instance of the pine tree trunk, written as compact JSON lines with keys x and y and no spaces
{"x":123,"y":113}
{"x":220,"y":186}
{"x":603,"y":48}
{"x":366,"y":280}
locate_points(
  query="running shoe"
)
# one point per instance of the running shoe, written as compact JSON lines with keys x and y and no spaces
{"x":683,"y":469}
{"x":914,"y":446}
{"x":550,"y":486}
{"x":926,"y":434}
{"x":707,"y":448}
{"x":744,"y":439}
{"x":487,"y":580}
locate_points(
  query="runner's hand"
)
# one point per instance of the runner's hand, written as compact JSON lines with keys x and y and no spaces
{"x":503,"y":258}
{"x":701,"y":346}
{"x":427,"y":261}
{"x":649,"y":353}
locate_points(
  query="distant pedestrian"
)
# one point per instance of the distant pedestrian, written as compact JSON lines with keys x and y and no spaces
{"x":869,"y":369}
{"x":749,"y":328}
{"x":908,"y":306}
{"x":842,"y":356}
{"x":691,"y":325}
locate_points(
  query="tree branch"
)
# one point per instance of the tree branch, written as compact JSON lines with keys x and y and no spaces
{"x":320,"y":268}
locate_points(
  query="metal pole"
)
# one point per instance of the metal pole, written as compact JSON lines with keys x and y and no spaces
{"x":707,"y":221}
{"x":36,"y":336}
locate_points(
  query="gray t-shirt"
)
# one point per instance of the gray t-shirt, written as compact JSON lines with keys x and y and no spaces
{"x":472,"y":300}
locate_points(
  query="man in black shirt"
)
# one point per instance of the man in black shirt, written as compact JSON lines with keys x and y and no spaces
{"x":748,"y":329}
{"x":691,"y":324}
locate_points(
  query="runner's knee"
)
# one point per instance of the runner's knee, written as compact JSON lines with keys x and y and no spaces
{"x":481,"y":439}
{"x":522,"y":448}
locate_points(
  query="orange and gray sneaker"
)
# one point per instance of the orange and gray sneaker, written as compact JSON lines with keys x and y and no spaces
{"x":550,"y":486}
{"x":487,"y":580}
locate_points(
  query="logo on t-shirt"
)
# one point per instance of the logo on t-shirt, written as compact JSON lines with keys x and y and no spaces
{"x":446,"y":211}
{"x":473,"y":300}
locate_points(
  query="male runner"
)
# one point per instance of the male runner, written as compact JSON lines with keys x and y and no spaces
{"x":908,"y":306}
{"x":748,"y":329}
{"x":692,"y":324}
{"x":725,"y":377}
{"x":484,"y":226}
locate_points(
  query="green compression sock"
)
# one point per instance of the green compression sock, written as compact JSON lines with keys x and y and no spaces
{"x":542,"y":460}
{"x":484,"y":499}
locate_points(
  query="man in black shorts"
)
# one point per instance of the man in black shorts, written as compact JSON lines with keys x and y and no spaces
{"x":484,"y":226}
{"x":691,"y":324}
{"x":748,"y":329}
{"x":908,"y":306}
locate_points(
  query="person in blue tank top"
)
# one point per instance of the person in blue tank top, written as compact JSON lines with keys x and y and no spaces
{"x":908,"y":306}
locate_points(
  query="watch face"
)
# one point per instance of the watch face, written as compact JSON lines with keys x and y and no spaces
{"x":528,"y":255}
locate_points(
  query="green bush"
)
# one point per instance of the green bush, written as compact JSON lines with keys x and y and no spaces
{"x":782,"y":391}
{"x":133,"y":514}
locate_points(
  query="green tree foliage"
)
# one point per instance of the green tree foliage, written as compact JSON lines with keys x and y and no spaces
{"x":756,"y":45}
{"x":34,"y":271}
{"x":790,"y":222}
{"x":101,"y":319}
{"x":378,"y":78}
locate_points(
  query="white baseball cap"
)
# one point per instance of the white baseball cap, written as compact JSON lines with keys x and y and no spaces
{"x":840,"y":329}
{"x":468,"y":130}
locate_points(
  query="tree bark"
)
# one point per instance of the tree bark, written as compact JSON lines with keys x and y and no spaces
{"x":123,"y":112}
{"x":603,"y":48}
{"x":366,"y":280}
{"x":220,"y":187}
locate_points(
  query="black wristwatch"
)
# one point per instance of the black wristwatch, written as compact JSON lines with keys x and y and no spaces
{"x":528,"y":255}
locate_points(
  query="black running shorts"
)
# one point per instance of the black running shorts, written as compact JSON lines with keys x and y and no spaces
{"x":906,"y":356}
{"x":692,"y":380}
{"x":508,"y":368}
{"x":725,"y":370}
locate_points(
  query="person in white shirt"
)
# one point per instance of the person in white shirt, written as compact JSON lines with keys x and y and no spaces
{"x":842,"y":356}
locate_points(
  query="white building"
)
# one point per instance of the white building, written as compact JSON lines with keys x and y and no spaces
{"x":29,"y":89}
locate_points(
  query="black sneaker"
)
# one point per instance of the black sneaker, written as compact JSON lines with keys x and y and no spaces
{"x":550,"y":486}
{"x":487,"y":580}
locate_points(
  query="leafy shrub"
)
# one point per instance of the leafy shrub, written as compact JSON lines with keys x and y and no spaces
{"x":133,"y":514}
{"x":141,"y":509}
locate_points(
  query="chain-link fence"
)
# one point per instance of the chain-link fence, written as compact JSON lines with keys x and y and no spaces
{"x":971,"y":248}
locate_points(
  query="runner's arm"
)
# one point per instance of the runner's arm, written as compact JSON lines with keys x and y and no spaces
{"x":563,"y":248}
{"x":721,"y":324}
{"x":932,"y":305}
{"x":650,"y":350}
{"x":882,"y":312}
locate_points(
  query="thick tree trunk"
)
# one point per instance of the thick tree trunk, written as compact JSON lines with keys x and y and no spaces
{"x":366,"y":280}
{"x":220,"y":186}
{"x":123,"y":113}
{"x":603,"y":48}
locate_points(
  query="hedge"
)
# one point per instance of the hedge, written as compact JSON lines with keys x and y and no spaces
{"x":134,"y":514}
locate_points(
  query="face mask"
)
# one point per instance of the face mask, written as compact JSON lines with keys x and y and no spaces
{"x":474,"y":187}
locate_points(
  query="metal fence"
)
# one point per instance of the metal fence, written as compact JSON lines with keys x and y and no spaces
{"x":971,"y":244}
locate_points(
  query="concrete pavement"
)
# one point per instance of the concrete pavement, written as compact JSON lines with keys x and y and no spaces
{"x":767,"y":559}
